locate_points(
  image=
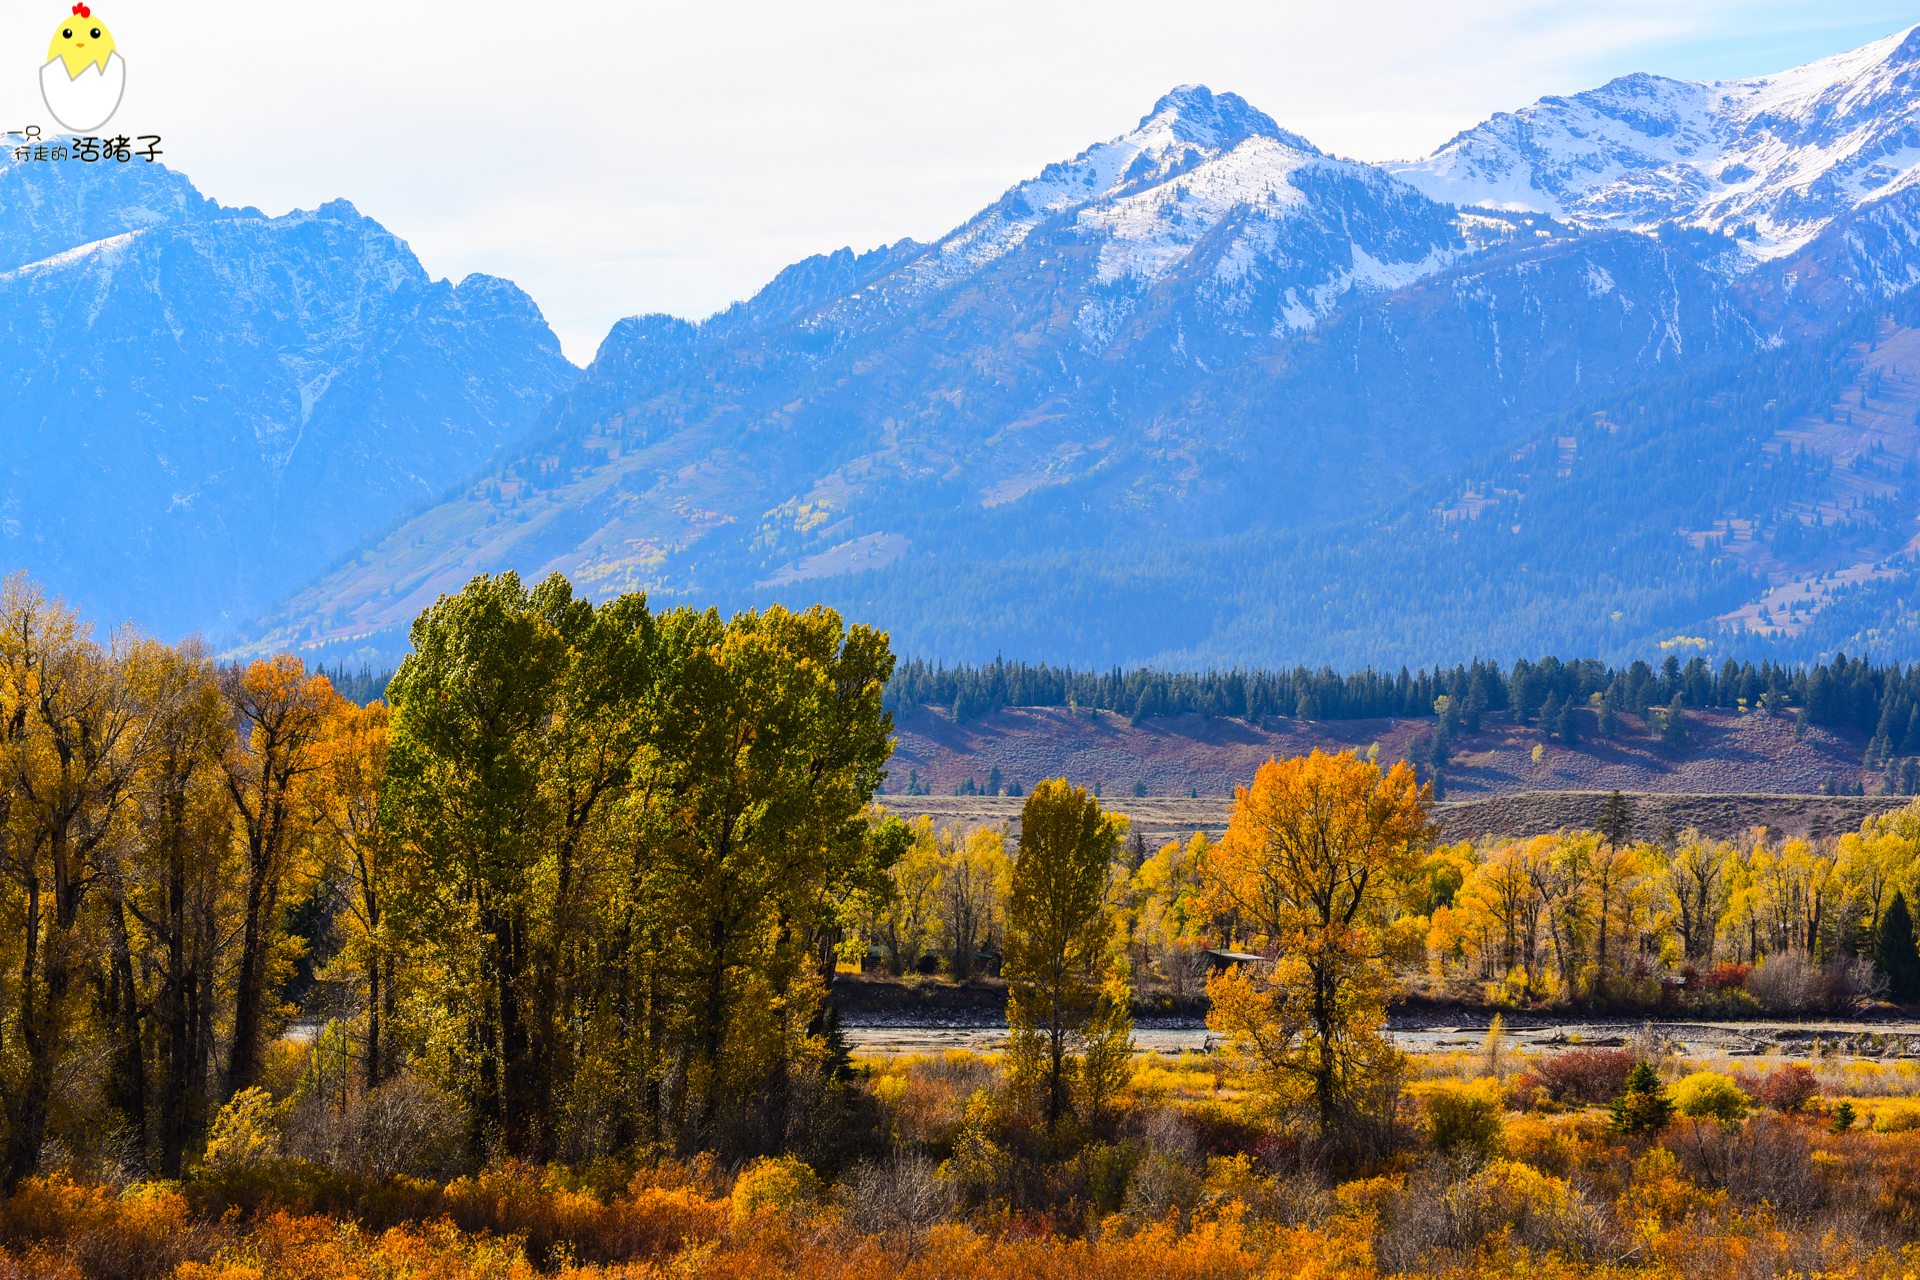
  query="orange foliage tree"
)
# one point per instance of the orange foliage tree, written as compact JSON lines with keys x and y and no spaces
{"x":1313,"y":866}
{"x":279,"y":712}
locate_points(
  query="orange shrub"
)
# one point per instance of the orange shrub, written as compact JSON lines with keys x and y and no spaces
{"x":59,"y":1226}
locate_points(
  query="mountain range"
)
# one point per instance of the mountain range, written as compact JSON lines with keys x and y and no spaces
{"x":204,"y":406}
{"x":1635,"y":367}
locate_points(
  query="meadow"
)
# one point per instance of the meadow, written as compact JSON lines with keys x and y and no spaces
{"x":1499,"y":1165}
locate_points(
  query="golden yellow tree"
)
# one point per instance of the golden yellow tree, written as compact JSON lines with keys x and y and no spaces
{"x":354,"y":744}
{"x":279,"y":711}
{"x":968,"y":902}
{"x":72,"y":743}
{"x":1166,"y":918}
{"x":1314,"y":863}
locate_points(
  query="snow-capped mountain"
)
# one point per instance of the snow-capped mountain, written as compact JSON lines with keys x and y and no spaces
{"x":1770,"y":161}
{"x":1188,"y":392}
{"x":1203,"y":327}
{"x":46,"y":207}
{"x":203,"y":406}
{"x":1287,"y":230}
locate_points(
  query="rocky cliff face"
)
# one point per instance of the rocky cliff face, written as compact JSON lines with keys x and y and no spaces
{"x":205,"y":406}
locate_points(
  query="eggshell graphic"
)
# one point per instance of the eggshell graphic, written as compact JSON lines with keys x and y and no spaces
{"x":84,"y":102}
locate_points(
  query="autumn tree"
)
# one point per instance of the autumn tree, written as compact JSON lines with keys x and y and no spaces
{"x":1059,"y":935}
{"x":774,"y":741}
{"x":175,"y":880}
{"x":1166,"y":920}
{"x":1313,"y":862}
{"x":72,"y":743}
{"x":973,"y":880}
{"x":907,"y":915}
{"x":278,"y":711}
{"x":513,"y":724}
{"x":354,"y":744}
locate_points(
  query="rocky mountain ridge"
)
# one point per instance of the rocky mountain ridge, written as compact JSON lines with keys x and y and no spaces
{"x":206,"y":405}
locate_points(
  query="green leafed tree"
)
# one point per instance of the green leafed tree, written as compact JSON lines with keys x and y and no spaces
{"x":1068,"y":1017}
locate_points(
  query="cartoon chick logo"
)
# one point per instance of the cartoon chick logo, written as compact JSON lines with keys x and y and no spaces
{"x":84,"y":75}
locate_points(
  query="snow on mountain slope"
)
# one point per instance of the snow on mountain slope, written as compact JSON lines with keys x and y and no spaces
{"x":1770,"y":161}
{"x":1153,"y":197}
{"x":47,"y":207}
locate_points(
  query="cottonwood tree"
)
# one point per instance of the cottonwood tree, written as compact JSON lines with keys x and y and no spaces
{"x":1314,"y":862}
{"x":174,"y":879}
{"x":480,"y":716}
{"x":72,"y":743}
{"x":774,"y":739}
{"x":279,"y":711}
{"x":354,"y":746}
{"x":1060,"y":992}
{"x":974,"y":877}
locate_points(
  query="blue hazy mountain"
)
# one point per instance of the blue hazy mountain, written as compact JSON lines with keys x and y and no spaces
{"x":204,"y":406}
{"x":1204,"y":393}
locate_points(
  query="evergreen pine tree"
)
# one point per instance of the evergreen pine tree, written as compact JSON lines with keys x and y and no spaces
{"x":1616,"y":820}
{"x":838,"y":1062}
{"x":1570,"y":724}
{"x":1673,"y":731}
{"x":1476,"y":703}
{"x":1644,"y":1107}
{"x":1894,"y":951}
{"x":1550,"y":718}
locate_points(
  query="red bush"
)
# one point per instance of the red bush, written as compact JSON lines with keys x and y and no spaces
{"x":1581,"y":1075}
{"x":1788,"y":1088}
{"x":1731,"y":975}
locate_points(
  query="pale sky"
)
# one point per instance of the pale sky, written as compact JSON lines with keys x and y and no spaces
{"x":614,"y":158}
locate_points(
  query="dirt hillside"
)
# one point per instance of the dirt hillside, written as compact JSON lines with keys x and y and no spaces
{"x":1189,"y":755}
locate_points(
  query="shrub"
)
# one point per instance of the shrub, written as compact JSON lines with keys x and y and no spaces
{"x":774,"y":1182}
{"x":1789,"y":1088}
{"x":1109,"y":1167}
{"x":1787,"y":983}
{"x":1792,"y":983}
{"x":896,"y":1198}
{"x":1767,"y":1161}
{"x":66,"y":1228}
{"x":519,"y":1199}
{"x":1710,"y":1095}
{"x":1902,"y":1116}
{"x":1644,"y":1107}
{"x":1730,"y":976}
{"x":244,"y":1134}
{"x":1580,"y":1075}
{"x":1722,"y":1002}
{"x":1843,"y":1118}
{"x":1163,"y":1189}
{"x":1465,"y":1117}
{"x":1475,"y":1205}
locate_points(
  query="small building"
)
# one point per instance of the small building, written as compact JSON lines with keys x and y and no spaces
{"x":1221,"y":961}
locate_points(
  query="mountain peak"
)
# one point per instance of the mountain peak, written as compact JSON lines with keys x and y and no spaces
{"x":1194,"y":113}
{"x":1770,"y":160}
